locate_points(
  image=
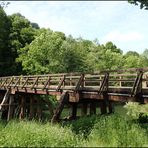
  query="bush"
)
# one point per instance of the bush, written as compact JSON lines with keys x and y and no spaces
{"x":137,"y":111}
{"x":117,"y":131}
{"x":82,"y":126}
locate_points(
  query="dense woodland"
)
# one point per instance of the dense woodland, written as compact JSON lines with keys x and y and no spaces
{"x":25,"y":48}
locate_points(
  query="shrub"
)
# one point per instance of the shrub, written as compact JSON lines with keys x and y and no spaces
{"x":117,"y":131}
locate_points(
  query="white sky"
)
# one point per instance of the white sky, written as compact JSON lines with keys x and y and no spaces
{"x":124,"y":24}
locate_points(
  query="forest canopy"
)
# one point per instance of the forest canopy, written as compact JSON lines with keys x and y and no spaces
{"x":25,"y":48}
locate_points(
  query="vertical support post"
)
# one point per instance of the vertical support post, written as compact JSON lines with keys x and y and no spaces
{"x":74,"y":111}
{"x":110,"y":107}
{"x":84,"y":109}
{"x":31,"y":114}
{"x":11,"y":108}
{"x":103,"y":107}
{"x":120,"y":82}
{"x":22,"y":106}
{"x":92,"y":108}
{"x":39,"y":108}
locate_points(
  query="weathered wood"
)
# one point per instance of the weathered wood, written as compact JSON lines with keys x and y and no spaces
{"x":11,"y":108}
{"x":22,"y":107}
{"x":60,"y":83}
{"x":5,"y":99}
{"x":110,"y":107}
{"x":84,"y":109}
{"x":31,"y":114}
{"x":92,"y":108}
{"x":39,"y":108}
{"x":64,"y":99}
{"x":103,"y":107}
{"x":74,"y":110}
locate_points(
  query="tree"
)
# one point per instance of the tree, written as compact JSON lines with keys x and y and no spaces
{"x":145,"y":53}
{"x":4,"y":4}
{"x":131,"y":53}
{"x":5,"y":51}
{"x":21,"y":34}
{"x":43,"y":54}
{"x":135,"y":62}
{"x":143,"y":3}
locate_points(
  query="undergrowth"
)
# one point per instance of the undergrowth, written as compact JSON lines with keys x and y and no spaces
{"x":105,"y":131}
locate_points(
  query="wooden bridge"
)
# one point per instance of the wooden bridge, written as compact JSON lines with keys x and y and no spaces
{"x":19,"y":95}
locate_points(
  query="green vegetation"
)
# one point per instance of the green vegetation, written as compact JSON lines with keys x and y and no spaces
{"x":108,"y":130}
{"x":25,"y":48}
{"x":143,"y":3}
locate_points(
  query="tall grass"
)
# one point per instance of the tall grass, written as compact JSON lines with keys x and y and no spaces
{"x":33,"y":134}
{"x":116,"y":131}
{"x":108,"y":130}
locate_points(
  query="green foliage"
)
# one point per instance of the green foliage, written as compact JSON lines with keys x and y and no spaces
{"x":136,"y":110}
{"x":82,"y":126}
{"x":143,"y":3}
{"x":5,"y":52}
{"x":32,"y":134}
{"x":25,"y":48}
{"x":95,"y":131}
{"x":116,"y":131}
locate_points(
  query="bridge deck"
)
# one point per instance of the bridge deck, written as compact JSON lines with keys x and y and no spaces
{"x":18,"y":93}
{"x":117,"y":84}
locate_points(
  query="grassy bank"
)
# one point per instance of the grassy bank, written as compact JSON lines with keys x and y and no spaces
{"x":110,"y":130}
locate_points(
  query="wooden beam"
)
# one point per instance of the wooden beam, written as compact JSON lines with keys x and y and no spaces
{"x":64,"y":99}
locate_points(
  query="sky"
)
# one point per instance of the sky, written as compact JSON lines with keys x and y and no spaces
{"x":126,"y":25}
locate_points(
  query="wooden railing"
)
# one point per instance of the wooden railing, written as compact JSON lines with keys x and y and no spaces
{"x":78,"y":81}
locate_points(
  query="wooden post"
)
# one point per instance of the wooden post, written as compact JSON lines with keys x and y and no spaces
{"x":92,"y":108}
{"x":22,"y":106}
{"x":74,"y":111}
{"x":84,"y":109}
{"x":110,"y":107}
{"x":120,"y":82}
{"x":39,"y":108}
{"x":31,"y":113}
{"x":103,"y":107}
{"x":11,"y":108}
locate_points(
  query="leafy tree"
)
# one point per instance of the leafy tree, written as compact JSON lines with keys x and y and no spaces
{"x":35,"y":25}
{"x":145,"y":53}
{"x":131,"y":53}
{"x":112,"y":47}
{"x":4,"y":4}
{"x":5,"y":52}
{"x":43,"y":53}
{"x":143,"y":3}
{"x":102,"y":58}
{"x":135,"y":62}
{"x":21,"y":34}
